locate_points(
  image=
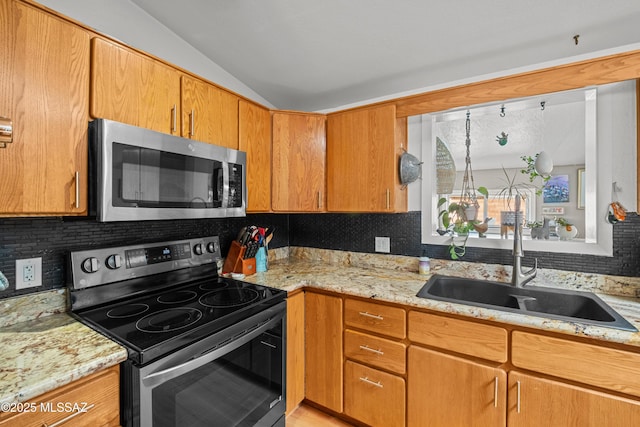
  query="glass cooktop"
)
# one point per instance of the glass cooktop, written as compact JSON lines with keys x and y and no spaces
{"x":168,"y":319}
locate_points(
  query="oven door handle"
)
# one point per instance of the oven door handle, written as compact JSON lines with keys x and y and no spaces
{"x":160,"y":377}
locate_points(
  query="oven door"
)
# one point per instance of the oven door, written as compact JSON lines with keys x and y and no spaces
{"x":233,"y":378}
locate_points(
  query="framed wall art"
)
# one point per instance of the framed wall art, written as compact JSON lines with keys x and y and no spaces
{"x":556,"y":190}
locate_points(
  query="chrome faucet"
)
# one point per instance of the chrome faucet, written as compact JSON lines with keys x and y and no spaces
{"x":520,"y":278}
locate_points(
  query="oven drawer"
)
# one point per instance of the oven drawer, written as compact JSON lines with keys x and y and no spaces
{"x":97,"y":397}
{"x":375,"y":351}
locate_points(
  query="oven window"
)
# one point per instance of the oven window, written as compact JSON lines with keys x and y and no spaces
{"x":154,"y":178}
{"x":238,"y":389}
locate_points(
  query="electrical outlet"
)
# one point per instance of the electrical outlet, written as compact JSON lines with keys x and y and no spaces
{"x":28,"y":273}
{"x":383,"y":244}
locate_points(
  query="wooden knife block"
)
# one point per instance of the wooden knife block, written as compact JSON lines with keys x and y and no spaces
{"x":235,"y":262}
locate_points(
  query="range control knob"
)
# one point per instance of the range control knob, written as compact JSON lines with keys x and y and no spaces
{"x":211,"y":247}
{"x":198,"y":249}
{"x":114,"y":261}
{"x":91,"y":265}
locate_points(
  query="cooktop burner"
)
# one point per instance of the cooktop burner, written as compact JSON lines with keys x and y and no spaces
{"x":234,"y":297}
{"x":177,"y":297}
{"x":127,"y":310}
{"x":169,"y":320}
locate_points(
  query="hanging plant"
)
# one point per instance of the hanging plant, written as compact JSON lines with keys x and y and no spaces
{"x":458,"y":223}
{"x":532,"y":172}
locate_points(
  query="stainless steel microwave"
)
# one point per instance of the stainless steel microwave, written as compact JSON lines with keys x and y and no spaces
{"x":138,"y":174}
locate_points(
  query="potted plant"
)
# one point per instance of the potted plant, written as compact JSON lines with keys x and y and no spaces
{"x":513,"y":188}
{"x":565,"y":229}
{"x":458,"y":219}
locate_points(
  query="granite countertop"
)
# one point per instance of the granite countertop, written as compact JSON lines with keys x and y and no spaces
{"x":395,"y":285}
{"x":44,"y":348}
{"x":48,"y":349}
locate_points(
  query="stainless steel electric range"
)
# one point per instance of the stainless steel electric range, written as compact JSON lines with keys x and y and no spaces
{"x":203,"y":350}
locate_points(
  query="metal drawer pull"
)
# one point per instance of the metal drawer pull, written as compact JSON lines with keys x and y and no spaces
{"x":518,"y":383}
{"x":6,"y":132}
{"x":192,"y":123}
{"x":368,"y":381}
{"x":65,"y":419}
{"x":495,"y":393}
{"x":275,"y":402}
{"x":77,"y":204}
{"x":268,"y":344}
{"x":372,"y":350}
{"x":374,"y":316}
{"x":319,"y":199}
{"x":174,"y":118}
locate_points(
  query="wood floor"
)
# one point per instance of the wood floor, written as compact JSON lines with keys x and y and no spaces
{"x":306,"y":416}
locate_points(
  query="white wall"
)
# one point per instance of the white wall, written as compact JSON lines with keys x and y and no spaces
{"x":126,"y":22}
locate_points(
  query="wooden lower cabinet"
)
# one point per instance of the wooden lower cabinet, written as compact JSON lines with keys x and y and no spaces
{"x":537,"y":402}
{"x":295,"y":351}
{"x":323,"y":350}
{"x":449,"y":391}
{"x":373,"y":397}
{"x":90,"y":401}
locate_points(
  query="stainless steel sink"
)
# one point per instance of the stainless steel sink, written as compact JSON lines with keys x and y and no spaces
{"x":575,"y":306}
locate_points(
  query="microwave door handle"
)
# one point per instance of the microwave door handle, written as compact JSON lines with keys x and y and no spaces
{"x":160,"y":377}
{"x":225,"y":184}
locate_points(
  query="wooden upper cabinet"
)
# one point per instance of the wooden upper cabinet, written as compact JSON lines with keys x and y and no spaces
{"x":44,"y":91}
{"x":254,"y":137}
{"x":209,"y":114}
{"x":129,"y":87}
{"x":299,"y":158}
{"x":363,"y":151}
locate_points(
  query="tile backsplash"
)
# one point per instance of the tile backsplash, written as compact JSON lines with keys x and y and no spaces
{"x":53,"y":238}
{"x":356,"y":232}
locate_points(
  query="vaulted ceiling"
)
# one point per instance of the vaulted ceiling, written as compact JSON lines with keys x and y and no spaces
{"x":320,"y":54}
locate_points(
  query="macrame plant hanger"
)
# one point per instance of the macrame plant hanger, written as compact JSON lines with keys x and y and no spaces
{"x":468,"y":194}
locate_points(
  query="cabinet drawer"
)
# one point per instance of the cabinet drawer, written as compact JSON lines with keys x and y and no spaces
{"x":375,"y":351}
{"x":90,"y":401}
{"x":373,"y":397}
{"x":373,"y":317}
{"x":608,"y":368}
{"x":474,"y":339}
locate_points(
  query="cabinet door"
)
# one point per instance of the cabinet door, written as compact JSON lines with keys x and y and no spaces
{"x":129,"y":87}
{"x":450,"y":391}
{"x":295,"y":351}
{"x":209,"y":114}
{"x":299,"y":153}
{"x":254,"y":137}
{"x":323,"y":350}
{"x":363,"y":151}
{"x":44,"y":72}
{"x":540,"y":402}
{"x":90,"y":401}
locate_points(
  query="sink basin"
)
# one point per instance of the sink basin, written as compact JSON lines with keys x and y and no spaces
{"x":576,"y":306}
